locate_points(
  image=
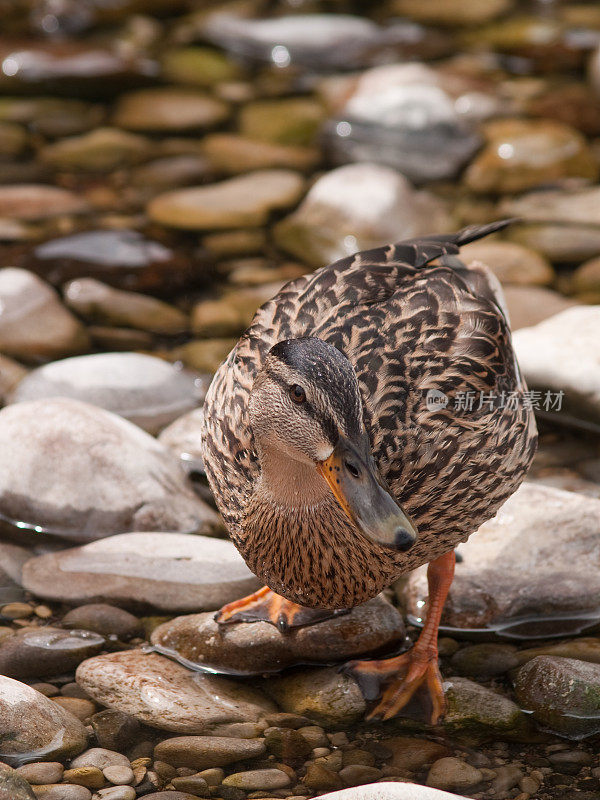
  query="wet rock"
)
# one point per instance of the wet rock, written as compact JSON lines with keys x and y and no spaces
{"x":171,"y":171}
{"x":264,"y":779}
{"x":205,"y":355}
{"x":357,"y":207}
{"x":34,"y":325}
{"x":231,"y":154}
{"x":33,"y":727}
{"x":78,"y":706}
{"x":511,"y":262}
{"x":103,"y":619}
{"x":100,"y":758}
{"x":198,"y":66}
{"x":326,"y":696}
{"x":528,"y":305}
{"x":561,"y":354}
{"x":115,"y":730}
{"x":165,"y":695}
{"x":13,"y":139}
{"x":569,"y":103}
{"x":531,"y":571}
{"x":523,"y":154}
{"x":563,"y":224}
{"x":585,"y":281}
{"x":584,"y":649}
{"x":61,"y":68}
{"x":562,"y":693}
{"x":217,"y":318}
{"x":400,"y":115}
{"x":167,"y":571}
{"x":13,"y":786}
{"x":140,"y":388}
{"x":411,"y":754}
{"x":201,"y":752}
{"x":11,"y":372}
{"x":539,"y":43}
{"x":32,"y":202}
{"x":453,"y":773}
{"x":168,"y":109}
{"x":317,"y":41}
{"x":40,"y":772}
{"x":124,"y":259}
{"x":97,"y":302}
{"x":245,"y":201}
{"x":38,"y":652}
{"x":476,"y":714}
{"x":261,"y":647}
{"x":454,"y":13}
{"x":100,"y":150}
{"x":235,"y":243}
{"x":62,"y":792}
{"x":291,"y":746}
{"x":87,"y":473}
{"x":293,"y":121}
{"x":485,"y":660}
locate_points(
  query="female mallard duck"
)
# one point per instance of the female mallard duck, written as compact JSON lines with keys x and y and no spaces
{"x":373,"y":399}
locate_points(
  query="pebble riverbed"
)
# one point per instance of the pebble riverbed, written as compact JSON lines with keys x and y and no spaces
{"x":165,"y":167}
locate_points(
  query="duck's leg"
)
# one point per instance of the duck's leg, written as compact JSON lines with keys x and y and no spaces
{"x":267,"y":606}
{"x":403,"y":675}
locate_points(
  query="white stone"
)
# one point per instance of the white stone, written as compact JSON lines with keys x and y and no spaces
{"x":562,"y":353}
{"x":147,"y":391}
{"x":391,"y":791}
{"x":34,"y":325}
{"x":83,"y":473}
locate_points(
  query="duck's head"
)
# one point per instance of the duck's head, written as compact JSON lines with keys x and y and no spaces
{"x":307,"y":420}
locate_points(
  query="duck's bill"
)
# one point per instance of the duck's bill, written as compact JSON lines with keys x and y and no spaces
{"x":352,"y":477}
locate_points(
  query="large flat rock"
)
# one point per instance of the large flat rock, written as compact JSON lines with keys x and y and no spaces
{"x":87,"y":473}
{"x":166,"y":695}
{"x":167,"y":571}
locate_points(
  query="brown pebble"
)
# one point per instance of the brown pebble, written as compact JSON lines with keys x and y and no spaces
{"x":119,"y":775}
{"x":47,"y":689}
{"x":43,"y":612}
{"x":82,"y":709}
{"x":319,"y":777}
{"x":91,"y":777}
{"x":41,"y":772}
{"x":16,"y":611}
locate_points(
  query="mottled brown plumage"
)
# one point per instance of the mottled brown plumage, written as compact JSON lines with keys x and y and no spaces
{"x":407,"y":327}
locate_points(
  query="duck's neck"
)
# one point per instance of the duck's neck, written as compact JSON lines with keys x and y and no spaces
{"x":298,"y":540}
{"x":286,"y":484}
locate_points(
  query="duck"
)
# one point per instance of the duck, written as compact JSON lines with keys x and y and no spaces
{"x":368,"y":421}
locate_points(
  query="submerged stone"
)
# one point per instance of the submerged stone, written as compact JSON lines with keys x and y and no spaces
{"x":122,"y":258}
{"x":13,"y":786}
{"x":510,"y":262}
{"x":34,"y":325}
{"x":530,"y":572}
{"x":358,"y":207}
{"x":97,"y":302}
{"x":402,"y":116}
{"x":146,"y":390}
{"x":100,"y":150}
{"x":245,"y":201}
{"x":562,"y":693}
{"x":522,"y":154}
{"x":168,"y":109}
{"x":41,"y":652}
{"x":259,"y":647}
{"x":87,"y":473}
{"x":31,"y":202}
{"x":168,"y":572}
{"x":34,"y":728}
{"x":165,"y":695}
{"x":316,"y":41}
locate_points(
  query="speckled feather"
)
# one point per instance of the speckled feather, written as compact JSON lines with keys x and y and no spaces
{"x":407,"y":327}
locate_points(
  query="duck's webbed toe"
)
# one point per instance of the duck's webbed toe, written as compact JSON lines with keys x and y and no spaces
{"x":267,"y":606}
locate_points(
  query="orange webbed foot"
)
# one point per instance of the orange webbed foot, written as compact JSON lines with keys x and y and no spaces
{"x":267,"y":606}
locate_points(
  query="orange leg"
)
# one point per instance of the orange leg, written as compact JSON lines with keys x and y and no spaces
{"x":270,"y":607}
{"x":403,"y":675}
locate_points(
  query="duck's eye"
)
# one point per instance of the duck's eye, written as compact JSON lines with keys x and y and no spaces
{"x":297,"y":394}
